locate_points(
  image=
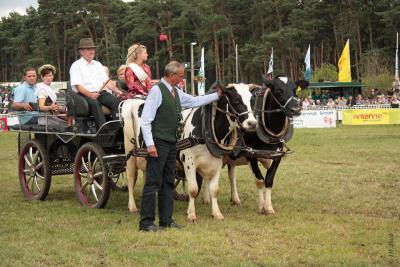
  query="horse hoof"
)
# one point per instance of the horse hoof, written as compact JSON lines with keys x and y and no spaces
{"x":261,"y":211}
{"x":218,"y":216}
{"x":235,"y":202}
{"x":270,"y":211}
{"x":206,"y":201}
{"x":191,"y":218}
{"x":133,"y":210}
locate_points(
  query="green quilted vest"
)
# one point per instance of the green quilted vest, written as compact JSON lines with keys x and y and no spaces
{"x":164,"y":125}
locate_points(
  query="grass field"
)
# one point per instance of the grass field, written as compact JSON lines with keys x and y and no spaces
{"x":337,"y":202}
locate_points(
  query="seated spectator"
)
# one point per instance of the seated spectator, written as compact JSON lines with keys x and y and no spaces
{"x":336,"y":102}
{"x":341,"y":101}
{"x":121,"y":82}
{"x":359,"y":100}
{"x":310,"y":100}
{"x":318,"y":103}
{"x":384,"y":99}
{"x":324,"y":96}
{"x":25,"y":98}
{"x":314,"y":96}
{"x":111,"y":83}
{"x":372,"y":95}
{"x":5,"y":102}
{"x":395,"y":102}
{"x":89,"y":79}
{"x":305,"y":104}
{"x":5,"y":106}
{"x":350,"y":101}
{"x":48,"y":99}
{"x":331,"y":103}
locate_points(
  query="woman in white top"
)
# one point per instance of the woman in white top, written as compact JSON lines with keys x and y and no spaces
{"x":48,"y":99}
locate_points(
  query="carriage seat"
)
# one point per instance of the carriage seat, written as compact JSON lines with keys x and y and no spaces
{"x":77,"y":104}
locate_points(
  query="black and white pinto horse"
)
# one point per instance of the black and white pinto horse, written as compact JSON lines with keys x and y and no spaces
{"x":277,"y":106}
{"x":232,"y":113}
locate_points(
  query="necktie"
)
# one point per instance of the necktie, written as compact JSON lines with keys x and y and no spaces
{"x":173,"y":93}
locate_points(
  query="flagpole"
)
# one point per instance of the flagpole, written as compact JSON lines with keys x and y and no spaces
{"x":396,"y":75}
{"x":237,"y":63}
{"x":192,"y":67}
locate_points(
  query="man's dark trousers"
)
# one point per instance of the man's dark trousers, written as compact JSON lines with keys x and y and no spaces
{"x":105,"y":99}
{"x":160,"y":172}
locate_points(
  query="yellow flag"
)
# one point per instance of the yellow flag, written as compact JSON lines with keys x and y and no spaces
{"x":344,"y":64}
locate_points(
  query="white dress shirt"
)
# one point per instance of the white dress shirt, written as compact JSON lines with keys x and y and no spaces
{"x":91,"y":75}
{"x":44,"y":91}
{"x":154,"y":100}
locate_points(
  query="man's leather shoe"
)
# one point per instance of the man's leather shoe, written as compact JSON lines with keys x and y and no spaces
{"x":150,"y":228}
{"x":172,"y":225}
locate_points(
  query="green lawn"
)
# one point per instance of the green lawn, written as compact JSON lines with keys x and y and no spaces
{"x":337,"y":202}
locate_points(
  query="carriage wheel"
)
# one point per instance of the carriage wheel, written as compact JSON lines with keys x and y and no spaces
{"x":92,"y":185}
{"x":118,"y":182}
{"x":34,"y":170}
{"x":180,"y":192}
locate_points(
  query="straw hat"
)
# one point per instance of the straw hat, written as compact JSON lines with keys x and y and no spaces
{"x":47,"y":67}
{"x":86,"y":43}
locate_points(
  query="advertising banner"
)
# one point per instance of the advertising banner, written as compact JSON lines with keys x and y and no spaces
{"x":316,"y":119}
{"x":3,"y":125}
{"x":12,"y":120}
{"x":371,"y":116}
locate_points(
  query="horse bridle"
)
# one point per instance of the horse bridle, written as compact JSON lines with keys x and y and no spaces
{"x":233,"y":113}
{"x":282,"y":108}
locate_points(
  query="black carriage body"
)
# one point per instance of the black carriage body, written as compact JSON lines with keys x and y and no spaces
{"x":62,"y":147}
{"x":96,"y":160}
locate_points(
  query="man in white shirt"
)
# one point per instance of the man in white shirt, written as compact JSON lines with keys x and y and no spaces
{"x":89,"y":79}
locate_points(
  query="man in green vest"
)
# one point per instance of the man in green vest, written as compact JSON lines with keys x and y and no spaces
{"x":160,"y":117}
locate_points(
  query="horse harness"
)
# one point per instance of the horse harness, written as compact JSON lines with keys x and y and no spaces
{"x":236,"y":146}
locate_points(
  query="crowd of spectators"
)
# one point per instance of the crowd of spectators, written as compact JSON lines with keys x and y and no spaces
{"x":6,"y":97}
{"x":314,"y":101}
{"x":374,"y":98}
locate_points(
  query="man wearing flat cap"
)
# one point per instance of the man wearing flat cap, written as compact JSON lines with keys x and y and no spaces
{"x":89,"y":79}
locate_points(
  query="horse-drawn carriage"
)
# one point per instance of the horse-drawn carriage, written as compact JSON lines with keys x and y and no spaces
{"x":97,"y":159}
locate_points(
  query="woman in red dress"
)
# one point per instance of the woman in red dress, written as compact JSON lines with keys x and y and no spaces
{"x":137,"y":74}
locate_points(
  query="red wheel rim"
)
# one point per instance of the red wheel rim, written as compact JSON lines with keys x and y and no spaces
{"x":31,"y":164}
{"x":89,"y":177}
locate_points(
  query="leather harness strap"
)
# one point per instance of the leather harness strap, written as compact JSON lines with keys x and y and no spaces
{"x":180,"y":145}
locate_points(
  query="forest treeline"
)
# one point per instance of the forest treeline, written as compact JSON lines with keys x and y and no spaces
{"x":51,"y":33}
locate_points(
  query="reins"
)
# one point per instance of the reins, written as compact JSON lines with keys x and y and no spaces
{"x":282,"y":108}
